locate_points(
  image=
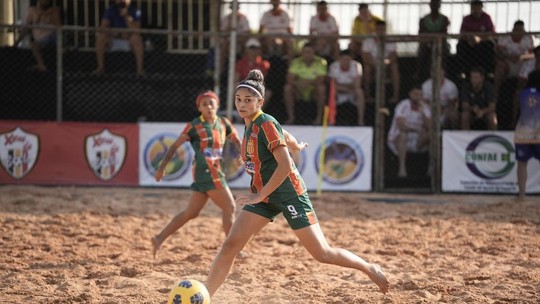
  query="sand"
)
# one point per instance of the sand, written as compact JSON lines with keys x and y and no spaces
{"x":91,"y":245}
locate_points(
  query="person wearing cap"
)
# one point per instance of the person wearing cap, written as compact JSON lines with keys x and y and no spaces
{"x":207,"y":135}
{"x":472,"y":49}
{"x":363,"y":24}
{"x":252,"y":59}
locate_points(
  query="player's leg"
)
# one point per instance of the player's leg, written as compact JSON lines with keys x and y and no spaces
{"x":244,"y":228}
{"x":196,"y":203}
{"x":312,"y":238}
{"x":223,"y":198}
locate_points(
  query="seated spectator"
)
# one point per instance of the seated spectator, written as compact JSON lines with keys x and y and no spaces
{"x":363,"y":24}
{"x":432,"y":23}
{"x":448,"y":98}
{"x":306,"y":80}
{"x":371,"y":55}
{"x":511,"y":51}
{"x":242,"y":28}
{"x":44,"y":13}
{"x":410,"y":129}
{"x":478,"y":102}
{"x":253,"y":60}
{"x":324,"y":24}
{"x":347,"y":76}
{"x":120,"y":14}
{"x":472,"y":49}
{"x":276,"y":21}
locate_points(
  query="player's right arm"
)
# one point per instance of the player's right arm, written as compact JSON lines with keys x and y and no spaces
{"x":172,"y":149}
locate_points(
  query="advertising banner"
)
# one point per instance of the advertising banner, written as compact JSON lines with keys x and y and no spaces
{"x":484,"y":162}
{"x":347,"y":154}
{"x":68,"y":153}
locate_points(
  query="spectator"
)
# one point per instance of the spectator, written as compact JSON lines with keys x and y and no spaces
{"x":363,"y":24}
{"x":432,"y":23}
{"x":448,"y":98}
{"x":528,"y":67}
{"x":253,"y":60}
{"x":511,"y":51}
{"x":324,"y":24}
{"x":410,"y":129}
{"x":305,"y":82}
{"x":471,"y":48}
{"x":276,"y":21}
{"x":527,"y":134}
{"x":371,"y":55}
{"x":242,"y":29}
{"x":347,"y":76}
{"x":479,"y":101}
{"x":124,"y":15}
{"x":43,"y":14}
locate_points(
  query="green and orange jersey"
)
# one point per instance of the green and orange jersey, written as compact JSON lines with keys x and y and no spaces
{"x":260,"y":139}
{"x":207,"y":141}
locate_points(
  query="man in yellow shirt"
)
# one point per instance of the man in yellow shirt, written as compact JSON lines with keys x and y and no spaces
{"x":363,"y":24}
{"x":306,"y":81}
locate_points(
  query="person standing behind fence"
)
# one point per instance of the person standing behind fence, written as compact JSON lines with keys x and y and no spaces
{"x":473,"y":50}
{"x":276,"y":187}
{"x":363,"y":24}
{"x":124,"y":15}
{"x":527,"y":133}
{"x":276,"y":21}
{"x":44,"y":13}
{"x":323,"y":23}
{"x":432,"y":23}
{"x":242,"y":29}
{"x":252,"y":60}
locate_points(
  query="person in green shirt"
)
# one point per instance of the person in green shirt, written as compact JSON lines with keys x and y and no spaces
{"x":276,"y":187}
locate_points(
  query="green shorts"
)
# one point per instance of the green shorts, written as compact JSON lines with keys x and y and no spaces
{"x":207,"y":186}
{"x":298,"y":211}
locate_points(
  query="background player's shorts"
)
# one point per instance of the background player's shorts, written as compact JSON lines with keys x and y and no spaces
{"x":524,"y":152}
{"x":207,"y":186}
{"x":298,"y":211}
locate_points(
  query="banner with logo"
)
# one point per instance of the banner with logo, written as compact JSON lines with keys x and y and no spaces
{"x":68,"y":153}
{"x":482,"y":161}
{"x":347,"y":154}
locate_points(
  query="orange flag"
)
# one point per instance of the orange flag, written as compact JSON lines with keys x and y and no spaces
{"x":332,"y":103}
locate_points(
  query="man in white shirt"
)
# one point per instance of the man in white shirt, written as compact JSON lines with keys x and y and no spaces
{"x":449,"y":100}
{"x":410,"y":129}
{"x":242,"y":29}
{"x":276,"y":21}
{"x":511,"y":51}
{"x":346,"y":74}
{"x":324,"y":24}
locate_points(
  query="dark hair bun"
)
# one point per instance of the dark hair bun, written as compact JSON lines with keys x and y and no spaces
{"x":256,"y":75}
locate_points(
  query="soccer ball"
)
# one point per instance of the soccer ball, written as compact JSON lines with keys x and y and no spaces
{"x":189,"y":291}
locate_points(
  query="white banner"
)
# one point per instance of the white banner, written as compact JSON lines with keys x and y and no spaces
{"x":348,"y":157}
{"x":484,"y":162}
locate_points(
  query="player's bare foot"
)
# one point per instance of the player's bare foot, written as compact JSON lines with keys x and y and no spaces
{"x":155,"y":245}
{"x":378,"y":277}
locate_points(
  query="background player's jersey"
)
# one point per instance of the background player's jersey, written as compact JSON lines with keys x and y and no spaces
{"x":528,"y":126}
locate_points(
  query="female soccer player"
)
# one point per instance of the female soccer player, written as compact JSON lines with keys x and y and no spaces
{"x":276,"y":187}
{"x":207,"y":134}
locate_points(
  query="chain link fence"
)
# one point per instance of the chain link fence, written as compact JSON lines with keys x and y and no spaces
{"x":179,"y":64}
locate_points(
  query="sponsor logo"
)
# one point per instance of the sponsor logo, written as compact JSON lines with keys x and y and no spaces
{"x":156,"y":148}
{"x":343,"y":160}
{"x":105,"y":153}
{"x":19,"y":151}
{"x":490,"y":156}
{"x":250,"y":167}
